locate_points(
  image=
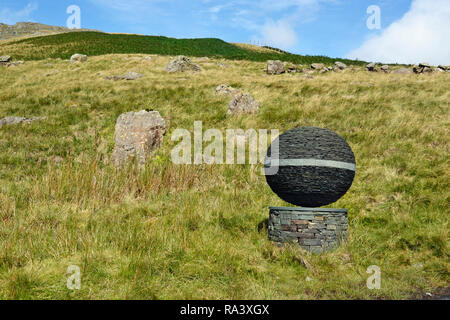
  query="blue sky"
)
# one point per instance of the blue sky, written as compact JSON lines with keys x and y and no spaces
{"x":335,"y":28}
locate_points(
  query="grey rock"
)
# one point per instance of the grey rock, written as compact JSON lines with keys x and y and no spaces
{"x":424,"y":65}
{"x":5,"y":59}
{"x":275,"y":67}
{"x":372,"y":67}
{"x":16,"y":120}
{"x":137,"y":134}
{"x":78,"y":58}
{"x":402,"y":71}
{"x":225,"y":89}
{"x":182,"y":64}
{"x":384,"y":68}
{"x":340,"y":65}
{"x":243,"y":103}
{"x":317,"y":66}
{"x":127,"y":76}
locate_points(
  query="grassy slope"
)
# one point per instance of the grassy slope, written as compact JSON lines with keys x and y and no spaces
{"x":191,"y":231}
{"x":96,"y":43}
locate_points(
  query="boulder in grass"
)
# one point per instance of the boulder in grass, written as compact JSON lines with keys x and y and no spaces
{"x":372,"y":67}
{"x":137,"y":135}
{"x":182,"y":64}
{"x":127,"y":76}
{"x":384,"y":68}
{"x":78,"y":58}
{"x":402,"y":71}
{"x":317,"y":66}
{"x":225,"y":89}
{"x":16,"y":120}
{"x":4,"y":60}
{"x":424,"y":65}
{"x":275,"y":67}
{"x":340,"y":65}
{"x":243,"y":103}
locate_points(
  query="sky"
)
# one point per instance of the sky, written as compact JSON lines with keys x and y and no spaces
{"x":390,"y":31}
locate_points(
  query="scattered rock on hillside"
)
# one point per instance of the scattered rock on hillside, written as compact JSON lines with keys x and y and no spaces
{"x":402,"y":71}
{"x":340,"y":65}
{"x":275,"y":67}
{"x":182,"y":64}
{"x":372,"y":67}
{"x":10,"y":63}
{"x":127,"y":76}
{"x":223,"y":65}
{"x":4,"y":60}
{"x":444,"y":68}
{"x":243,"y":103}
{"x":52,"y":73}
{"x":78,"y":58}
{"x":137,"y":134}
{"x":308,"y":76}
{"x":16,"y":120}
{"x":422,"y":68}
{"x":225,"y":89}
{"x":317,"y":66}
{"x":384,"y":68}
{"x":292,"y":68}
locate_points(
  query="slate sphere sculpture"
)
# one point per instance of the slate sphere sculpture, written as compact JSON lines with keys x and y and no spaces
{"x":315,"y":166}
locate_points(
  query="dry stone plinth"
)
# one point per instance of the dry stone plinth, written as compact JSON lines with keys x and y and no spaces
{"x":182,"y":64}
{"x":243,"y":103}
{"x":314,"y":230}
{"x":16,"y":120}
{"x":78,"y":58}
{"x":275,"y":67}
{"x":317,"y":66}
{"x":340,"y":65}
{"x":137,"y":134}
{"x":225,"y":89}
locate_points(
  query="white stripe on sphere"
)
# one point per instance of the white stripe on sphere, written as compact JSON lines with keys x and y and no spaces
{"x":310,"y":163}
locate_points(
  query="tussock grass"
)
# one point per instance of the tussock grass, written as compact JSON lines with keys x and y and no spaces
{"x":168,"y":231}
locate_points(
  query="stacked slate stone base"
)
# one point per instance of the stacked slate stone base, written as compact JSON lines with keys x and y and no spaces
{"x":315,"y":229}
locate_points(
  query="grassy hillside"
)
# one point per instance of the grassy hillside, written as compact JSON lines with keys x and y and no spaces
{"x":187,"y":231}
{"x":96,"y":43}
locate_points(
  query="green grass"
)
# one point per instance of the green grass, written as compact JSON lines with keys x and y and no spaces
{"x":167,"y":231}
{"x":96,"y":43}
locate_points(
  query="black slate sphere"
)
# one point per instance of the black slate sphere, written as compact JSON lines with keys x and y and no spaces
{"x":315,"y":166}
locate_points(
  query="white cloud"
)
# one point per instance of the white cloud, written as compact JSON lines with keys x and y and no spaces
{"x":279,"y":34}
{"x":9,"y":16}
{"x":421,"y":35}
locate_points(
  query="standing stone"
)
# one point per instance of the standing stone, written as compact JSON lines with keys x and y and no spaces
{"x":340,"y":66}
{"x":243,"y":103}
{"x":182,"y":64}
{"x":275,"y":67}
{"x":137,"y":134}
{"x":317,"y":66}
